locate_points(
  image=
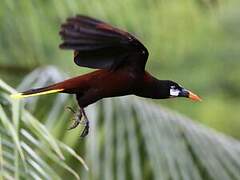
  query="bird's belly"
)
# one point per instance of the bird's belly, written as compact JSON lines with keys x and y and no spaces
{"x":109,"y":85}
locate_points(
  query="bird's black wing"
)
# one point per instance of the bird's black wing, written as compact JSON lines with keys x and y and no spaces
{"x":97,"y":44}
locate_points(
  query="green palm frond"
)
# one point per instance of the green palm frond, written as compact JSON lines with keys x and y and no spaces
{"x":28,"y":149}
{"x":136,"y":139}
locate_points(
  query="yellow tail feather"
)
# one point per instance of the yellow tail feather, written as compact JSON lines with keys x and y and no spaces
{"x":21,"y":95}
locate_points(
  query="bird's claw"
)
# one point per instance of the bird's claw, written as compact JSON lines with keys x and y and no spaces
{"x":75,"y":123}
{"x":86,"y":129}
{"x":70,"y":109}
{"x":77,"y":117}
{"x":78,"y":120}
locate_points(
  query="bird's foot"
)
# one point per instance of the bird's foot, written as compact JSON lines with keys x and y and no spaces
{"x":78,"y":120}
{"x":86,"y":128}
{"x":85,"y":124}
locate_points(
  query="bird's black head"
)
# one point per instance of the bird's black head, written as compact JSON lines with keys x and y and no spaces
{"x":175,"y":90}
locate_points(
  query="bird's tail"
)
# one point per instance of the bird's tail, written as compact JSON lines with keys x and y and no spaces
{"x":37,"y":92}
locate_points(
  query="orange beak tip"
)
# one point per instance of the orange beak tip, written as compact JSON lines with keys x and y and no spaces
{"x":194,"y":97}
{"x":198,"y":99}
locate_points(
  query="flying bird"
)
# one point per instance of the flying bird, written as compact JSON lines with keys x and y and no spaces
{"x":120,"y":61}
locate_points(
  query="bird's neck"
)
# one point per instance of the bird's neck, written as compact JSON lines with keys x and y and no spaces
{"x":153,"y":88}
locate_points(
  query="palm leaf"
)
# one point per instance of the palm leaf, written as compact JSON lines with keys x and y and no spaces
{"x":27,"y":147}
{"x":144,"y":141}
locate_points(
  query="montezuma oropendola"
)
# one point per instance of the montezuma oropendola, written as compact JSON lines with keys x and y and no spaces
{"x":121,"y":60}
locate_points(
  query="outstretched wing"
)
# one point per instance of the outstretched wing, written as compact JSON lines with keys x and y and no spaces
{"x":99,"y":45}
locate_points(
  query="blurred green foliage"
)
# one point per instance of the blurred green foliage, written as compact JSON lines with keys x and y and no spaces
{"x":194,"y":42}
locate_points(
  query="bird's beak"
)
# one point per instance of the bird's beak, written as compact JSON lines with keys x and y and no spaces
{"x":194,"y":97}
{"x":188,"y":94}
